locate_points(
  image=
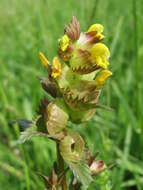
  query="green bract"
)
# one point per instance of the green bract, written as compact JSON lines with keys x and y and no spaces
{"x":72,"y":147}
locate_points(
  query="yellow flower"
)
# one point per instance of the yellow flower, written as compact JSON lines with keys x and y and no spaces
{"x":98,"y":28}
{"x":99,"y":55}
{"x":102,"y":77}
{"x":44,"y":60}
{"x":64,"y":42}
{"x":56,"y":68}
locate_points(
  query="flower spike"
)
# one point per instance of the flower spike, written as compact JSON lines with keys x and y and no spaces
{"x":75,"y":79}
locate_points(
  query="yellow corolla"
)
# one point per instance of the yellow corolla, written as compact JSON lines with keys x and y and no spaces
{"x":44,"y":60}
{"x":98,"y":28}
{"x":56,"y":68}
{"x":102,"y":77}
{"x":99,"y":55}
{"x":64,"y":42}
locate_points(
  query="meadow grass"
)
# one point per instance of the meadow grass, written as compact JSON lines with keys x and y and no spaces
{"x":27,"y":27}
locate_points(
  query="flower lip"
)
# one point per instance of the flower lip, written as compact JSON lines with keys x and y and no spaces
{"x":100,"y":55}
{"x":96,"y":27}
{"x":93,"y":35}
{"x":102,"y":77}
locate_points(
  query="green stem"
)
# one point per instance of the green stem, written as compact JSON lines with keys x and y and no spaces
{"x":61,"y":168}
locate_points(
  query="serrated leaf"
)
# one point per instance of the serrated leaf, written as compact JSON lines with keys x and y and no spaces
{"x":29,"y":133}
{"x":82,"y":173}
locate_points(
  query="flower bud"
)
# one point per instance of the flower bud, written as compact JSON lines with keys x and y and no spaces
{"x":96,"y":166}
{"x":44,"y":60}
{"x":73,"y":29}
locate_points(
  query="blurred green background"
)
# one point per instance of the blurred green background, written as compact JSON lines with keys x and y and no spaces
{"x":30,"y":26}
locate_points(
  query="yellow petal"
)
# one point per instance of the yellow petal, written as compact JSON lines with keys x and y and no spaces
{"x":56,"y":67}
{"x":64,"y":42}
{"x":96,"y":27}
{"x":100,"y":55}
{"x":100,"y":63}
{"x":102,"y":77}
{"x":100,"y":36}
{"x":44,"y":60}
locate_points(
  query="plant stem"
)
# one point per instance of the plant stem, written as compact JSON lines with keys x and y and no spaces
{"x":60,"y":162}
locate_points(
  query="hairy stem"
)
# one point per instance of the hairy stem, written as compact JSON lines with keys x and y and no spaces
{"x":60,"y":162}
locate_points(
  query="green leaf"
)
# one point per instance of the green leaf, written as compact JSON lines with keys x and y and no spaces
{"x":82,"y":173}
{"x":102,"y":181}
{"x":29,"y":133}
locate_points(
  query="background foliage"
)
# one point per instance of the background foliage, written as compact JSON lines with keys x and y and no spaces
{"x":27,"y":27}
